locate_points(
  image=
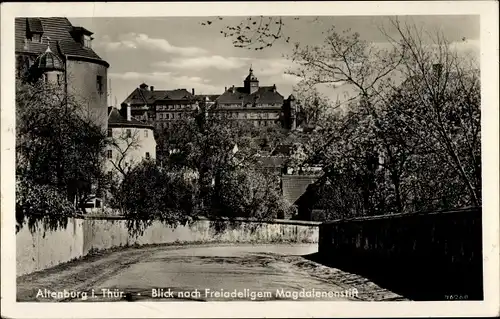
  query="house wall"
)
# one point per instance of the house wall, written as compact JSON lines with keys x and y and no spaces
{"x":133,"y":155}
{"x":82,"y":86}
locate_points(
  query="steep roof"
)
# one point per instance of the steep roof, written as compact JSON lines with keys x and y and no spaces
{"x":145,"y":96}
{"x":58,"y":29}
{"x":115,"y":119}
{"x":293,"y":186}
{"x":48,"y":61}
{"x":239,"y":95}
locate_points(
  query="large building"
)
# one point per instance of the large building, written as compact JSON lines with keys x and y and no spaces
{"x":159,"y":107}
{"x":133,"y":141}
{"x":261,"y":105}
{"x":53,"y":50}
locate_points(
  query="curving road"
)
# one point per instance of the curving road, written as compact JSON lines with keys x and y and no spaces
{"x":201,"y":273}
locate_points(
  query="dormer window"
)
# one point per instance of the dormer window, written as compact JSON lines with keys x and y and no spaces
{"x":83,"y":36}
{"x":87,"y":41}
{"x":34,"y":30}
{"x":36,"y":37}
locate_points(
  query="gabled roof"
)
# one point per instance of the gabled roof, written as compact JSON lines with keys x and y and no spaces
{"x":145,"y":96}
{"x":265,"y":94}
{"x":59,"y":30}
{"x":115,"y":119}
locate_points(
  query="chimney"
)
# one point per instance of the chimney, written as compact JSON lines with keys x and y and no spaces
{"x":151,"y":88}
{"x":274,"y":88}
{"x":129,"y":113}
{"x":232,"y":89}
{"x":192,"y":91}
{"x":225,"y":88}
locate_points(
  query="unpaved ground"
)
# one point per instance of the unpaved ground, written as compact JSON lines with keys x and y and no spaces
{"x":229,"y":272}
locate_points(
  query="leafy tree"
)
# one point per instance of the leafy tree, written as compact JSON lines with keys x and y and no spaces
{"x":57,"y":150}
{"x":409,"y":138}
{"x":149,"y":193}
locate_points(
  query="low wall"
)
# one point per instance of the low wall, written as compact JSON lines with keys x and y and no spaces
{"x":44,"y":249}
{"x":36,"y":252}
{"x":436,"y":256}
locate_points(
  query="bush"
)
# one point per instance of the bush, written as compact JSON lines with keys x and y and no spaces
{"x":43,"y":204}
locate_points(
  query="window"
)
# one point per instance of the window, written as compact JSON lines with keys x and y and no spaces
{"x":59,"y":79}
{"x":99,"y":84}
{"x":110,"y":154}
{"x":147,"y":155}
{"x":168,"y":116}
{"x":145,"y":133}
{"x":161,"y":115}
{"x":35,"y":37}
{"x":87,"y":41}
{"x":173,"y":115}
{"x":110,"y":132}
{"x":129,"y":133}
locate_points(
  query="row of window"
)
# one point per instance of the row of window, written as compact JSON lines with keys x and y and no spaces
{"x":256,"y":123}
{"x":265,"y":123}
{"x":128,"y":133}
{"x":168,"y":116}
{"x":109,"y":155}
{"x":171,"y":107}
{"x":249,"y":115}
{"x":249,"y":105}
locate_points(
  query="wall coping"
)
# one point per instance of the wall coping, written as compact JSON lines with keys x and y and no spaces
{"x":237,"y":219}
{"x":472,"y":210}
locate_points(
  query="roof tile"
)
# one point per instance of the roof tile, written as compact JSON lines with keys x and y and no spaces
{"x":58,"y":29}
{"x":265,"y":95}
{"x":116,"y":119}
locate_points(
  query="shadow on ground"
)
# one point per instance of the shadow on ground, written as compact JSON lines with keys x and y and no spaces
{"x":417,"y":281}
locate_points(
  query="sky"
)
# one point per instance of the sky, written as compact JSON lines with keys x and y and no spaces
{"x":180,"y":52}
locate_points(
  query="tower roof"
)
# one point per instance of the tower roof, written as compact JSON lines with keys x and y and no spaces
{"x":251,"y":77}
{"x":49,"y":61}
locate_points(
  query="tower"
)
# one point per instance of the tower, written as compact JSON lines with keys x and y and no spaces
{"x":49,"y":67}
{"x":251,"y":82}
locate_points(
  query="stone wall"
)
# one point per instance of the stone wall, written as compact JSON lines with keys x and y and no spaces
{"x":37,"y":252}
{"x":433,"y":256}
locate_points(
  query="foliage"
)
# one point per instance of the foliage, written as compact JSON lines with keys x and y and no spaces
{"x":149,"y":193}
{"x":222,"y":154}
{"x":58,"y":149}
{"x":249,"y":193}
{"x":43,"y":204}
{"x":398,"y":145}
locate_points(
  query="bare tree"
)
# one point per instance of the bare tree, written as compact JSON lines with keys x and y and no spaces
{"x":123,"y":146}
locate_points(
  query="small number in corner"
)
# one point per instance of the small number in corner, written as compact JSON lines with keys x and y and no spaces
{"x":456,"y":297}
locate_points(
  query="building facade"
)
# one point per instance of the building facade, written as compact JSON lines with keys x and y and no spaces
{"x":132,"y":141}
{"x":263,"y":106}
{"x":160,"y":107}
{"x":53,"y":50}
